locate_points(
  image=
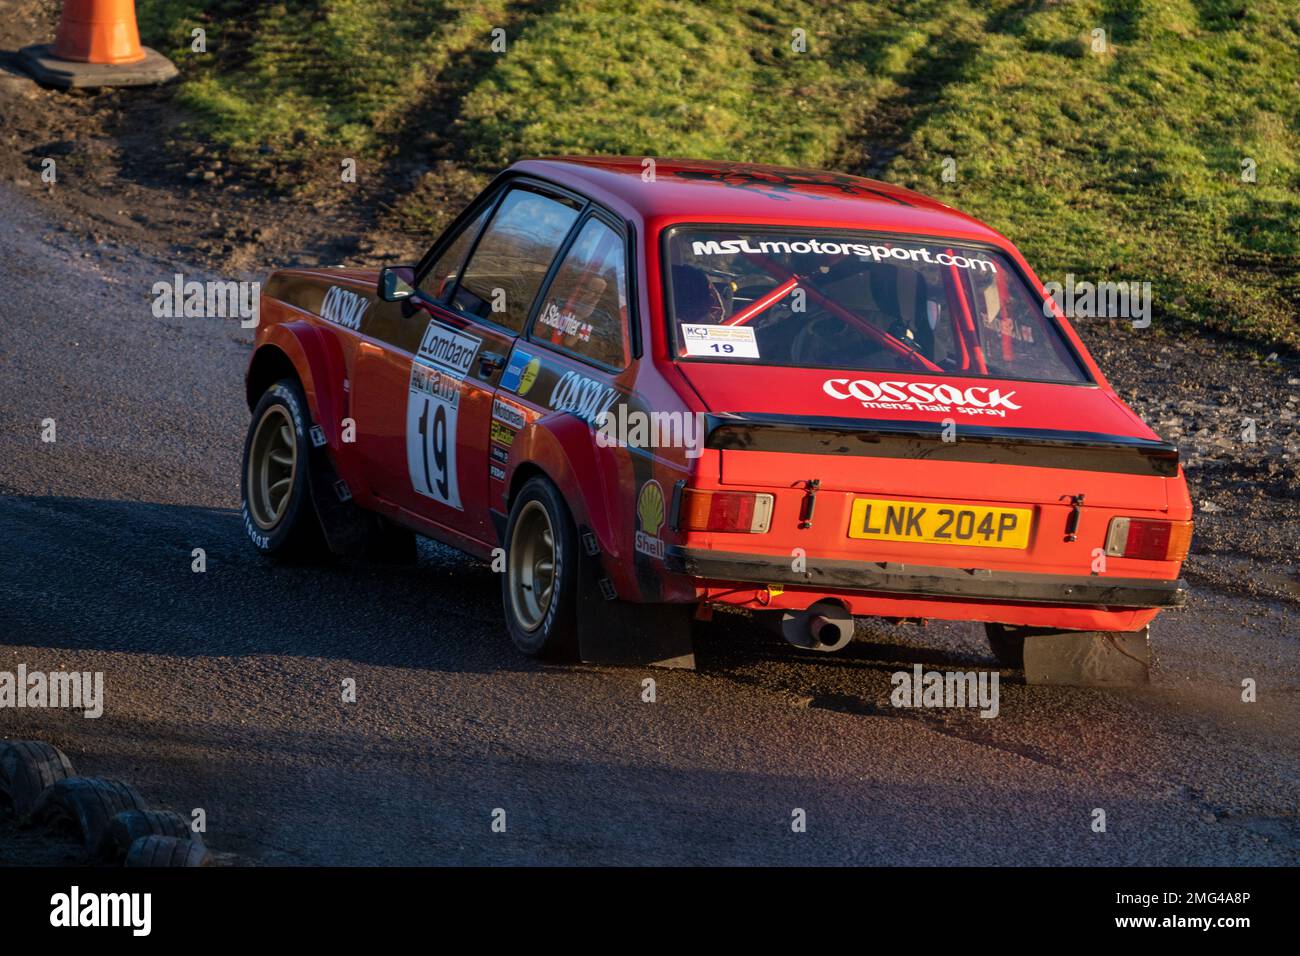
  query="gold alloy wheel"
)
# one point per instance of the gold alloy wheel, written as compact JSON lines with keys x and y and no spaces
{"x":532,"y":566}
{"x":272,"y":464}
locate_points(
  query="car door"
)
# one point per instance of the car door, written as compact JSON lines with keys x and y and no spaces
{"x":429,"y":389}
{"x":577,"y":357}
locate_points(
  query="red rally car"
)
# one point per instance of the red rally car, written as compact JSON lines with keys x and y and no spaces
{"x":645,"y":390}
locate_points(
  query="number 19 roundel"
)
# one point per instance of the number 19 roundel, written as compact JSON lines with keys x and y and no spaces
{"x":432,"y":403}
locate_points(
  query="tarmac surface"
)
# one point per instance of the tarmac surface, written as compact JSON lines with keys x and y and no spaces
{"x":223,"y":688}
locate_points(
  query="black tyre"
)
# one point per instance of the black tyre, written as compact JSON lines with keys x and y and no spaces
{"x":277,"y":509}
{"x":540,"y":586}
{"x":131,"y":825}
{"x":167,"y":851}
{"x":88,"y":805}
{"x":1008,"y":644}
{"x":27,"y":769}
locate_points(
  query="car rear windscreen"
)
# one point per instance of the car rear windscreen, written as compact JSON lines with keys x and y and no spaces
{"x":853,"y":301}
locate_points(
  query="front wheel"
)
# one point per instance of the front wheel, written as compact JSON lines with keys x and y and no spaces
{"x":540,"y":586}
{"x":278,"y":513}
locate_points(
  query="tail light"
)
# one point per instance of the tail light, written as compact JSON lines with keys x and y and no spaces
{"x":745,"y":511}
{"x":1148,"y":538}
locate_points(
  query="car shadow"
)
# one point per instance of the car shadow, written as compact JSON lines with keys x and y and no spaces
{"x":121,"y":576}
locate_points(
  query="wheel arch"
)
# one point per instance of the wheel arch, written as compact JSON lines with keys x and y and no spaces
{"x":560,"y":448}
{"x":300,"y":349}
{"x":268,"y":365}
{"x":523,"y":473}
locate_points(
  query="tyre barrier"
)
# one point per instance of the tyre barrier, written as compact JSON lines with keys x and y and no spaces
{"x":27,"y":769}
{"x":130,"y":826}
{"x":39,"y":786}
{"x":87,"y":805}
{"x":159,"y":850}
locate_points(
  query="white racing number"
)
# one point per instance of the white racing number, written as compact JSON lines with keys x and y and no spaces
{"x":433,"y":400}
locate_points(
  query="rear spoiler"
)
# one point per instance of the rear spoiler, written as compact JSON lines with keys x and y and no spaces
{"x":874,"y":438}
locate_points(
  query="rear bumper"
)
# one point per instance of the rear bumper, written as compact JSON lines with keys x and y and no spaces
{"x":924,"y":581}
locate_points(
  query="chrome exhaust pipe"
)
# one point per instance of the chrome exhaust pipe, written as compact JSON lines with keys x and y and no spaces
{"x":825,"y":626}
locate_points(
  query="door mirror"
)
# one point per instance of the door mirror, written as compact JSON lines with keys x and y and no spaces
{"x":396,"y":283}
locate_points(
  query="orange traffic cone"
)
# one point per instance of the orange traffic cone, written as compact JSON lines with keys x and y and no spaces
{"x":98,"y":44}
{"x":98,"y":31}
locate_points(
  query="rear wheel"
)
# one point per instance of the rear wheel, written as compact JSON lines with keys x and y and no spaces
{"x":278,"y":513}
{"x":539,"y":588}
{"x":1074,"y":658}
{"x":1007,"y":643}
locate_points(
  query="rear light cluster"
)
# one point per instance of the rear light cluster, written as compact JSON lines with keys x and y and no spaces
{"x":745,"y":511}
{"x":1149,"y":539}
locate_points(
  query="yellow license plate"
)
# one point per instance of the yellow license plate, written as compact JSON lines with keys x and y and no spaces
{"x":935,"y":522}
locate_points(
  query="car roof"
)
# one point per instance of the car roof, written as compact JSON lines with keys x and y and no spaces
{"x":713,"y":191}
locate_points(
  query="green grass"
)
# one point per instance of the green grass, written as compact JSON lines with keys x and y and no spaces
{"x":1124,"y":164}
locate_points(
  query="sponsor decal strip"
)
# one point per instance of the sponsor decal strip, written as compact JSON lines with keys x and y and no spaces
{"x":585,"y":397}
{"x":343,"y":307}
{"x":927,"y":396}
{"x":875,"y":252}
{"x":502,"y":435}
{"x":509,"y":413}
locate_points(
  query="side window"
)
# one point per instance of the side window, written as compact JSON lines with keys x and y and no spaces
{"x":585,"y":308}
{"x":437,"y":282}
{"x":501,"y":279}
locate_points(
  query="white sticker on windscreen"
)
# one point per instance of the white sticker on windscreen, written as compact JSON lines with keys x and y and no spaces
{"x":720,"y":341}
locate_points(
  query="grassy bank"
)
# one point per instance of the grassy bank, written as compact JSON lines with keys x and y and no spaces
{"x":1124,"y":163}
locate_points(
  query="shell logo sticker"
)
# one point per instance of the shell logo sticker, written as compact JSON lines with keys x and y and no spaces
{"x":650,"y":516}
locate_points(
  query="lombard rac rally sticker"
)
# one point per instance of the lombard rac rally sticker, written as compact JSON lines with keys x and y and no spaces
{"x":720,"y":341}
{"x":432,"y":407}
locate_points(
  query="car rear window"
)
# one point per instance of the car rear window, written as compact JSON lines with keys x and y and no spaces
{"x":854,"y":301}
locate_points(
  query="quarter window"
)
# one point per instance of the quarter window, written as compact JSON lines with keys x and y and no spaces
{"x":584,"y":310}
{"x":510,"y":262}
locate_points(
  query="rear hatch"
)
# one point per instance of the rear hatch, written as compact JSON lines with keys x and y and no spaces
{"x":1065,"y":458}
